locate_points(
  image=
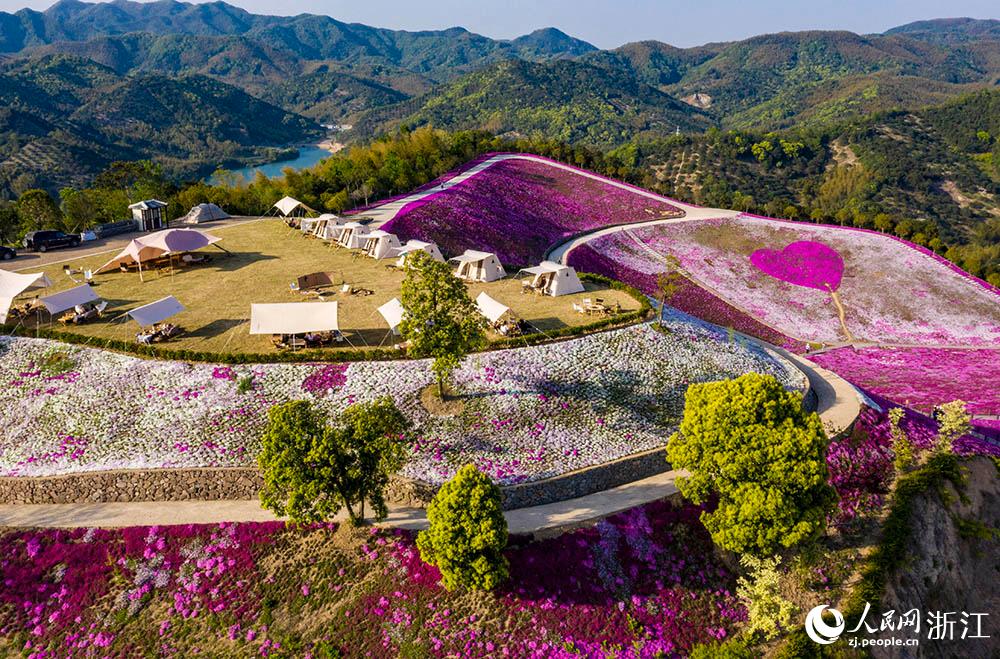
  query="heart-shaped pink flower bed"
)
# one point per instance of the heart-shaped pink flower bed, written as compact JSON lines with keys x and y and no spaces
{"x":803,"y":263}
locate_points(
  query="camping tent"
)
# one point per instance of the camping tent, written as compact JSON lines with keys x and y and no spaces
{"x":478,"y":266}
{"x":161,"y":243}
{"x":289,"y":207}
{"x":393,"y":313}
{"x":418,"y":246}
{"x":493,"y":309}
{"x":327,"y":226}
{"x":353,"y":235}
{"x":293,"y":317}
{"x":381,"y":244}
{"x":554,"y":279}
{"x":204,"y":213}
{"x":59,"y":302}
{"x":13,"y":284}
{"x":155,"y":312}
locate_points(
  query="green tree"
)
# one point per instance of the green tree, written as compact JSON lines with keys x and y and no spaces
{"x":750,"y":442}
{"x":467,"y":533}
{"x":442,"y":321}
{"x":668,"y":283}
{"x":9,"y":222}
{"x":78,"y":209}
{"x":902,"y":447}
{"x":954,"y":421}
{"x":312,"y":469}
{"x":37,"y":210}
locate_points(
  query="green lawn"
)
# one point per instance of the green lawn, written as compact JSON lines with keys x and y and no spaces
{"x":264,"y":257}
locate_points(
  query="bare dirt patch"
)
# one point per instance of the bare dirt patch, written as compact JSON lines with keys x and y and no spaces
{"x":452,"y":404}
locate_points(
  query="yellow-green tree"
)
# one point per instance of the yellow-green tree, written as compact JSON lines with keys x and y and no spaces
{"x":467,"y":533}
{"x":750,"y":443}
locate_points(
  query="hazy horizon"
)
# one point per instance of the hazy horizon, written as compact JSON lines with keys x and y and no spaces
{"x":611,"y":24}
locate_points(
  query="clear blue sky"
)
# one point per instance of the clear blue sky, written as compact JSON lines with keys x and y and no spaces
{"x":610,"y":23}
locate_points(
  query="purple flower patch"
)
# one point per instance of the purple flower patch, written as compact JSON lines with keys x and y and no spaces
{"x":804,"y":263}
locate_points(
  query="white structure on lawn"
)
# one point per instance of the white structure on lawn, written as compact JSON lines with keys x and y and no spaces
{"x":353,"y":235}
{"x":293,"y":318}
{"x":393,"y":312}
{"x":550,"y":278}
{"x":382,"y":244}
{"x":149,"y":215}
{"x":204,"y":213}
{"x":478,"y":266}
{"x":492,"y":309}
{"x":290,"y":207}
{"x":156,"y":312}
{"x":13,"y":284}
{"x":412,"y":246}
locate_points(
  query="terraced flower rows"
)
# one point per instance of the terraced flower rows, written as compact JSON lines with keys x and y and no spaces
{"x":529,"y":413}
{"x":520,"y":208}
{"x":890,"y":292}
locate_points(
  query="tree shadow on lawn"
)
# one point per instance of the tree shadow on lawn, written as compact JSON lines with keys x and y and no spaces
{"x":231,"y":261}
{"x":216,"y":327}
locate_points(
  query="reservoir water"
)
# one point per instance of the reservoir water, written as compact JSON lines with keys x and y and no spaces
{"x":308,"y":156}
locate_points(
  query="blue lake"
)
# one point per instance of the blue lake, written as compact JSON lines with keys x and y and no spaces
{"x":308,"y":156}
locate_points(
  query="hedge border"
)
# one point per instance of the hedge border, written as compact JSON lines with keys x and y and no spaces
{"x":349,"y":355}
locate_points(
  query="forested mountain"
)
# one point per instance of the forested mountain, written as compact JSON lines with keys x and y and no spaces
{"x":64,"y":119}
{"x":950,"y":30}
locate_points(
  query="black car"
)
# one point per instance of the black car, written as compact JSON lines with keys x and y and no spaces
{"x":43,"y":241}
{"x":6,"y":253}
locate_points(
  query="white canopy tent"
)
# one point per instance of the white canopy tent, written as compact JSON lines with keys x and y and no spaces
{"x":293,"y":317}
{"x":204,"y":213}
{"x":418,"y":246}
{"x":554,"y":279}
{"x":478,"y":266}
{"x":161,"y":243}
{"x":156,"y":312}
{"x":493,"y":309}
{"x":382,"y":244}
{"x":290,"y":207}
{"x":59,"y":302}
{"x":13,"y":284}
{"x":353,"y":235}
{"x":393,"y":313}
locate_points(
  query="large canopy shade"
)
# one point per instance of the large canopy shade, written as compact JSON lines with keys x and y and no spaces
{"x":293,"y":317}
{"x":59,"y":302}
{"x":493,"y":309}
{"x":13,"y":284}
{"x":289,"y":205}
{"x":155,"y":312}
{"x":393,"y":313}
{"x":155,"y":245}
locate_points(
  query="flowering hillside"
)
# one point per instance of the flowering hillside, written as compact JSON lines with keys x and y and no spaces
{"x":520,"y":208}
{"x":818,"y":283}
{"x":529,"y":413}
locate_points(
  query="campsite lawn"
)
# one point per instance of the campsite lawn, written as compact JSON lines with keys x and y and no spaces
{"x":264,"y":258}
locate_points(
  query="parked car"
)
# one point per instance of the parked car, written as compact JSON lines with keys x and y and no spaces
{"x":43,"y":241}
{"x":7,"y":253}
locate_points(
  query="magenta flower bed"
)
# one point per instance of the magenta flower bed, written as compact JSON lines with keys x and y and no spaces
{"x":922,"y":378}
{"x":690,"y":298}
{"x":520,"y":208}
{"x":639,"y":583}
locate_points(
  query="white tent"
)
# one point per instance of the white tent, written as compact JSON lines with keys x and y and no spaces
{"x":293,"y":317}
{"x":478,"y":266}
{"x":393,"y":313}
{"x":382,"y":245}
{"x":327,"y":227}
{"x":353,"y":235}
{"x":418,"y":246}
{"x":289,"y":207}
{"x":13,"y":284}
{"x":307,"y":224}
{"x":161,"y":243}
{"x":554,"y":279}
{"x":204,"y":213}
{"x":493,"y":309}
{"x":59,"y":302}
{"x":155,"y":312}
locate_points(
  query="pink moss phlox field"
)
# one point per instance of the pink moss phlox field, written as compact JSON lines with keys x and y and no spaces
{"x":890,"y":292}
{"x":519,"y":208}
{"x":803,"y":263}
{"x":618,"y":262}
{"x":922,"y":378}
{"x":639,"y":584}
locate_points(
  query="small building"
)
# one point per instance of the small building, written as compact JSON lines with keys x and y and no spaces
{"x":412,"y":246}
{"x":382,"y":245}
{"x":149,"y":215}
{"x":550,"y":278}
{"x":478,"y":266}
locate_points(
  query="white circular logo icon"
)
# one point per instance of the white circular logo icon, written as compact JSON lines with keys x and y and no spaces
{"x":819,"y":631}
